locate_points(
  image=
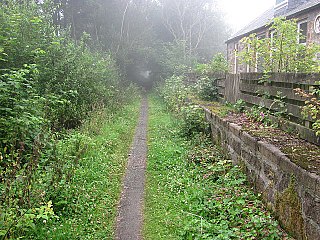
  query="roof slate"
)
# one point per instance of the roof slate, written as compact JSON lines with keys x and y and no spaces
{"x":305,"y":6}
{"x":268,"y":15}
{"x":257,"y":23}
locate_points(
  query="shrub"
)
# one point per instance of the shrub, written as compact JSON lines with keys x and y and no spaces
{"x":193,"y":120}
{"x":207,"y":89}
{"x":218,"y":64}
{"x":48,"y":83}
{"x":282,"y":53}
{"x":174,"y":93}
{"x":312,"y":106}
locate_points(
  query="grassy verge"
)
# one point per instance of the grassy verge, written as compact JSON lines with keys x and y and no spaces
{"x":86,"y":206}
{"x":194,"y":192}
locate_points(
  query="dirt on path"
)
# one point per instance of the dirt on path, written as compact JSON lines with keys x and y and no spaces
{"x":130,"y":210}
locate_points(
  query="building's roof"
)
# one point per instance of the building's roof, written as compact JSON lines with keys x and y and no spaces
{"x":257,"y":23}
{"x":307,"y":5}
{"x":268,"y":15}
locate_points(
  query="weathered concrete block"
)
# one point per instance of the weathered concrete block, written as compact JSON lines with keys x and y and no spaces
{"x":311,"y":207}
{"x":317,"y":192}
{"x":269,"y":193}
{"x":288,"y":208}
{"x":235,"y":129}
{"x":270,"y":152}
{"x":251,"y":158}
{"x":224,"y":123}
{"x":283,"y":182}
{"x":292,"y":192}
{"x":249,"y":141}
{"x":312,"y":230}
{"x":286,"y":165}
{"x":259,"y":184}
{"x":235,"y":143}
{"x":233,"y":155}
{"x":223,"y":136}
{"x":208,"y":116}
{"x":309,"y":181}
{"x":269,"y":172}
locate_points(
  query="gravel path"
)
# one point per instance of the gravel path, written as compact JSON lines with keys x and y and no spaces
{"x":130,"y":210}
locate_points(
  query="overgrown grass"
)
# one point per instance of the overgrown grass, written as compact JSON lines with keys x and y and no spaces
{"x":194,"y":192}
{"x":87,"y":205}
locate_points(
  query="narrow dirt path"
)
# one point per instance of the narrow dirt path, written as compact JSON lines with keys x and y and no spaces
{"x":130,"y":216}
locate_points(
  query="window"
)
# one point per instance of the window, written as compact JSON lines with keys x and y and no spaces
{"x":235,"y":66}
{"x":248,"y":64}
{"x":259,"y":59}
{"x":280,"y":1}
{"x":317,"y":24}
{"x":280,"y":4}
{"x":303,"y":29}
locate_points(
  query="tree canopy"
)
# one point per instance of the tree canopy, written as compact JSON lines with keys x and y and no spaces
{"x":143,"y":34}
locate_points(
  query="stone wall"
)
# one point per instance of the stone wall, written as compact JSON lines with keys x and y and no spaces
{"x":247,"y":86}
{"x":291,"y":192}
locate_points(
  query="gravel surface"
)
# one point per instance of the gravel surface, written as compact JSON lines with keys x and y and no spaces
{"x":130,"y":210}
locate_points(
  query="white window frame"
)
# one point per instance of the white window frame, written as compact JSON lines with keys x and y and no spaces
{"x":281,"y":5}
{"x":272,"y":37}
{"x":248,"y":65}
{"x":299,"y":28}
{"x":264,"y":35}
{"x":235,"y":70}
{"x":316,"y":24}
{"x":247,"y":68}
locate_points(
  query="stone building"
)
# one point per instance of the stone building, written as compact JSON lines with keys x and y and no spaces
{"x":307,"y":12}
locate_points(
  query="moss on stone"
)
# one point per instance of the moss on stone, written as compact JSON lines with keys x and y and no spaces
{"x":288,"y":209}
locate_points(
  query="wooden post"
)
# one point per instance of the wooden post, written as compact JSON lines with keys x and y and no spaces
{"x":232,"y":88}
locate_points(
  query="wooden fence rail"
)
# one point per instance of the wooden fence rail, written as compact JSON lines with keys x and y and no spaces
{"x":271,"y":92}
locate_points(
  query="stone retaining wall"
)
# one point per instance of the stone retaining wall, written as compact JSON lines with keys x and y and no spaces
{"x":291,"y":192}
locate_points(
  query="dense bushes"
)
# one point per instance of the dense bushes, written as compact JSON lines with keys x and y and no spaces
{"x":48,"y":83}
{"x":206,"y":86}
{"x":71,"y":79}
{"x":175,"y":94}
{"x":47,"y":79}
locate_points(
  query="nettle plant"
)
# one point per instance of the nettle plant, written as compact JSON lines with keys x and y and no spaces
{"x":281,"y":52}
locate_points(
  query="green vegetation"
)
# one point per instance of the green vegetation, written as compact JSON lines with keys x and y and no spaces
{"x":218,"y":64}
{"x":50,"y":85}
{"x":175,"y":95}
{"x":206,"y":87}
{"x":288,"y":208}
{"x":312,"y":106}
{"x":282,"y":52}
{"x":77,"y":183}
{"x":194,"y":192}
